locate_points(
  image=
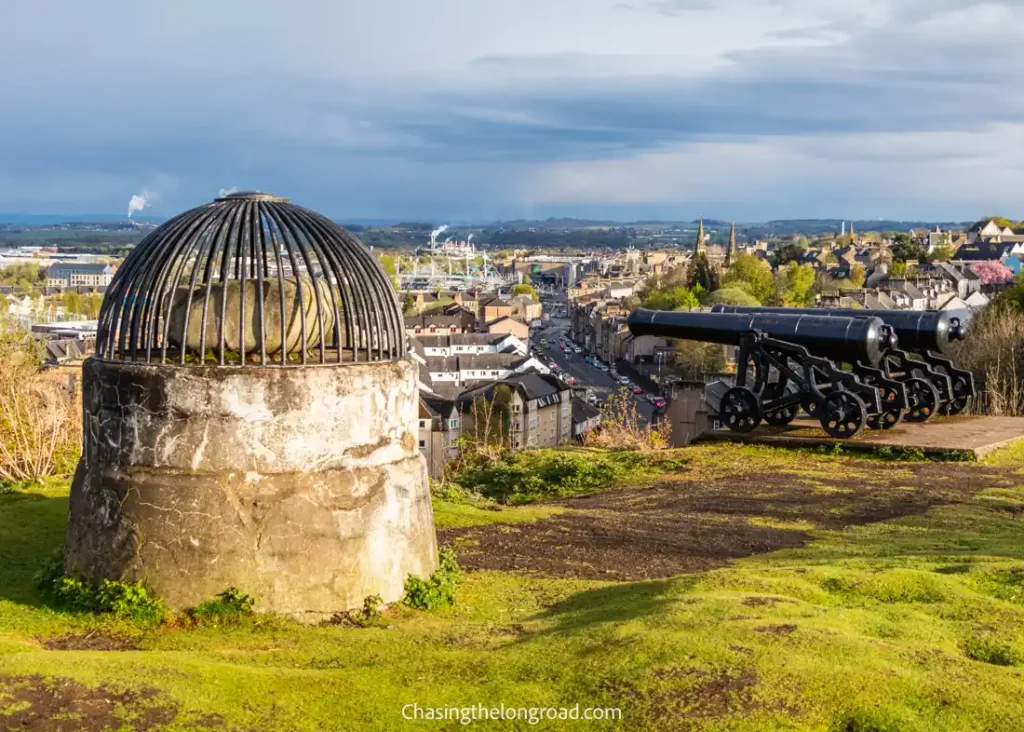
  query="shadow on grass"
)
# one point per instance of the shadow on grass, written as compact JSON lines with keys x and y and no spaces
{"x":32,"y":525}
{"x":615,"y":604}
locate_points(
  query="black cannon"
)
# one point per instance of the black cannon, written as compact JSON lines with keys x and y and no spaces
{"x":794,"y":364}
{"x":930,"y":334}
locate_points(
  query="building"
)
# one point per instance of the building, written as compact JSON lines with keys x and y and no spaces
{"x":584,"y":418}
{"x":467,"y":344}
{"x":449,"y":375}
{"x":494,"y":309}
{"x":525,"y":308}
{"x":439,"y":431}
{"x":539,"y":411}
{"x":417,"y":325}
{"x":90,"y":274}
{"x":508,"y":324}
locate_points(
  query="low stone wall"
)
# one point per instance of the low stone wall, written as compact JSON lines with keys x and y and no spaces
{"x":301,"y":486}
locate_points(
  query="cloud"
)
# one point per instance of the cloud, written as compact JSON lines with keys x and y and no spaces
{"x":520,"y":106}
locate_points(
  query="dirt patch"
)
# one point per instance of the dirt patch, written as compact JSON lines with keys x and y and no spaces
{"x":758,"y":601}
{"x":785,"y":629}
{"x":45,"y":704}
{"x":684,"y":526}
{"x":91,"y":642}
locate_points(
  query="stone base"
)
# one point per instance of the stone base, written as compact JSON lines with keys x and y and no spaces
{"x":301,"y":487}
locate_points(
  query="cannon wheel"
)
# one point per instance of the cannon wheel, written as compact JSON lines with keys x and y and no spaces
{"x":843,"y":414}
{"x":961,"y":397}
{"x":923,"y":398}
{"x":887,"y":419}
{"x":740,"y":410}
{"x":780,"y":417}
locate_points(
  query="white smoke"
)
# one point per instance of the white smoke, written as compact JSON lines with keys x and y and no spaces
{"x":469,"y":238}
{"x":227,"y":191}
{"x":439,"y":230}
{"x":140,"y":200}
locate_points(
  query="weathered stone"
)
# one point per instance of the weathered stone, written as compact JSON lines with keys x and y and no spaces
{"x":301,"y":486}
{"x":297,"y":305}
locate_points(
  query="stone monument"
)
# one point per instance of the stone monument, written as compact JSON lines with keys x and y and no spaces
{"x":251,"y":418}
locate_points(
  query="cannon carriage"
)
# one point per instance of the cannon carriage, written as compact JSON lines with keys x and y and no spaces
{"x":921,"y":361}
{"x":787,"y":361}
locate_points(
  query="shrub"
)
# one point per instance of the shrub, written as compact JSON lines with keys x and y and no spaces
{"x":994,"y":352}
{"x":437,"y":591}
{"x":525,"y":476}
{"x":40,"y":413}
{"x":130,"y":601}
{"x":621,"y":429}
{"x":989,"y":650}
{"x":227,"y":606}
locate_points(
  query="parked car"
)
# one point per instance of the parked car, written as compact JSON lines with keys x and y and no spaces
{"x":636,"y":390}
{"x":624,"y":380}
{"x":650,"y":398}
{"x":659,"y":403}
{"x":577,"y":349}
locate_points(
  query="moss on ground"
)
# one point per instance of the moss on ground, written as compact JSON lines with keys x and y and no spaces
{"x":914,"y":623}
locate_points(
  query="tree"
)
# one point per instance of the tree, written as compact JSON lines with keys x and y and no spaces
{"x":858,"y":274}
{"x":905,"y":247}
{"x":72,"y":302}
{"x":992,"y":273}
{"x":941,"y":254}
{"x":753,"y":272}
{"x":899,"y":269}
{"x":700,"y":272}
{"x":731,"y":295}
{"x":672,"y":298}
{"x":390,"y":265}
{"x":788,"y":253}
{"x":693,"y":359}
{"x":797,"y":282}
{"x":525,"y":289}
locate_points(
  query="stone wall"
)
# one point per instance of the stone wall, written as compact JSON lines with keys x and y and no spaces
{"x":304,"y":487}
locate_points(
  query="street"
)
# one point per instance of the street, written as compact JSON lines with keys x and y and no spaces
{"x":575,"y":365}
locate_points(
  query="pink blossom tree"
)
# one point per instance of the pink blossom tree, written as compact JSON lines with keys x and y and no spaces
{"x":992,"y":272}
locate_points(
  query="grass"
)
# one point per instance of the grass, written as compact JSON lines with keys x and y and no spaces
{"x":916,"y":623}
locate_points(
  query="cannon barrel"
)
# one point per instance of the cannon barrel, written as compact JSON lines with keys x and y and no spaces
{"x":836,"y":338}
{"x":917,"y":330}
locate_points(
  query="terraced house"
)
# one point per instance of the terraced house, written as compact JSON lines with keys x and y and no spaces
{"x":539,"y":411}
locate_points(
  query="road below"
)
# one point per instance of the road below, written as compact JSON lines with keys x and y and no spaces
{"x":576,"y":365}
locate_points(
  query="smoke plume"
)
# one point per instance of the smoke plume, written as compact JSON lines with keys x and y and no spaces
{"x":439,"y":230}
{"x":140,"y":200}
{"x":227,"y":191}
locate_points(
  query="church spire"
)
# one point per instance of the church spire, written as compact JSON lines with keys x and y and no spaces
{"x":700,"y":248}
{"x":730,"y":253}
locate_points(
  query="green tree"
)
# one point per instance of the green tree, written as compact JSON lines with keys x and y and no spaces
{"x":672,"y":298}
{"x":390,"y":265}
{"x":700,"y":272}
{"x":731,"y":295}
{"x":525,"y":289}
{"x":72,"y":302}
{"x":797,"y":283}
{"x":91,"y":305}
{"x":858,"y":274}
{"x":693,"y":359}
{"x":941,"y":254}
{"x":753,"y":272}
{"x":905,"y":247}
{"x":899,"y":269}
{"x":787,"y":253}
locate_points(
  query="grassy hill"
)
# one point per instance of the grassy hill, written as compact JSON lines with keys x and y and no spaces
{"x":742,"y":588}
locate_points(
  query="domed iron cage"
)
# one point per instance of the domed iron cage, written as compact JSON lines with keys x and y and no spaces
{"x":250,"y":279}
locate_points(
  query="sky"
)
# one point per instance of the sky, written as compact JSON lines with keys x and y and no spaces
{"x":472,"y":110}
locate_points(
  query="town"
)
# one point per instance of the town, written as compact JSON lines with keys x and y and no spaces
{"x":511,"y":365}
